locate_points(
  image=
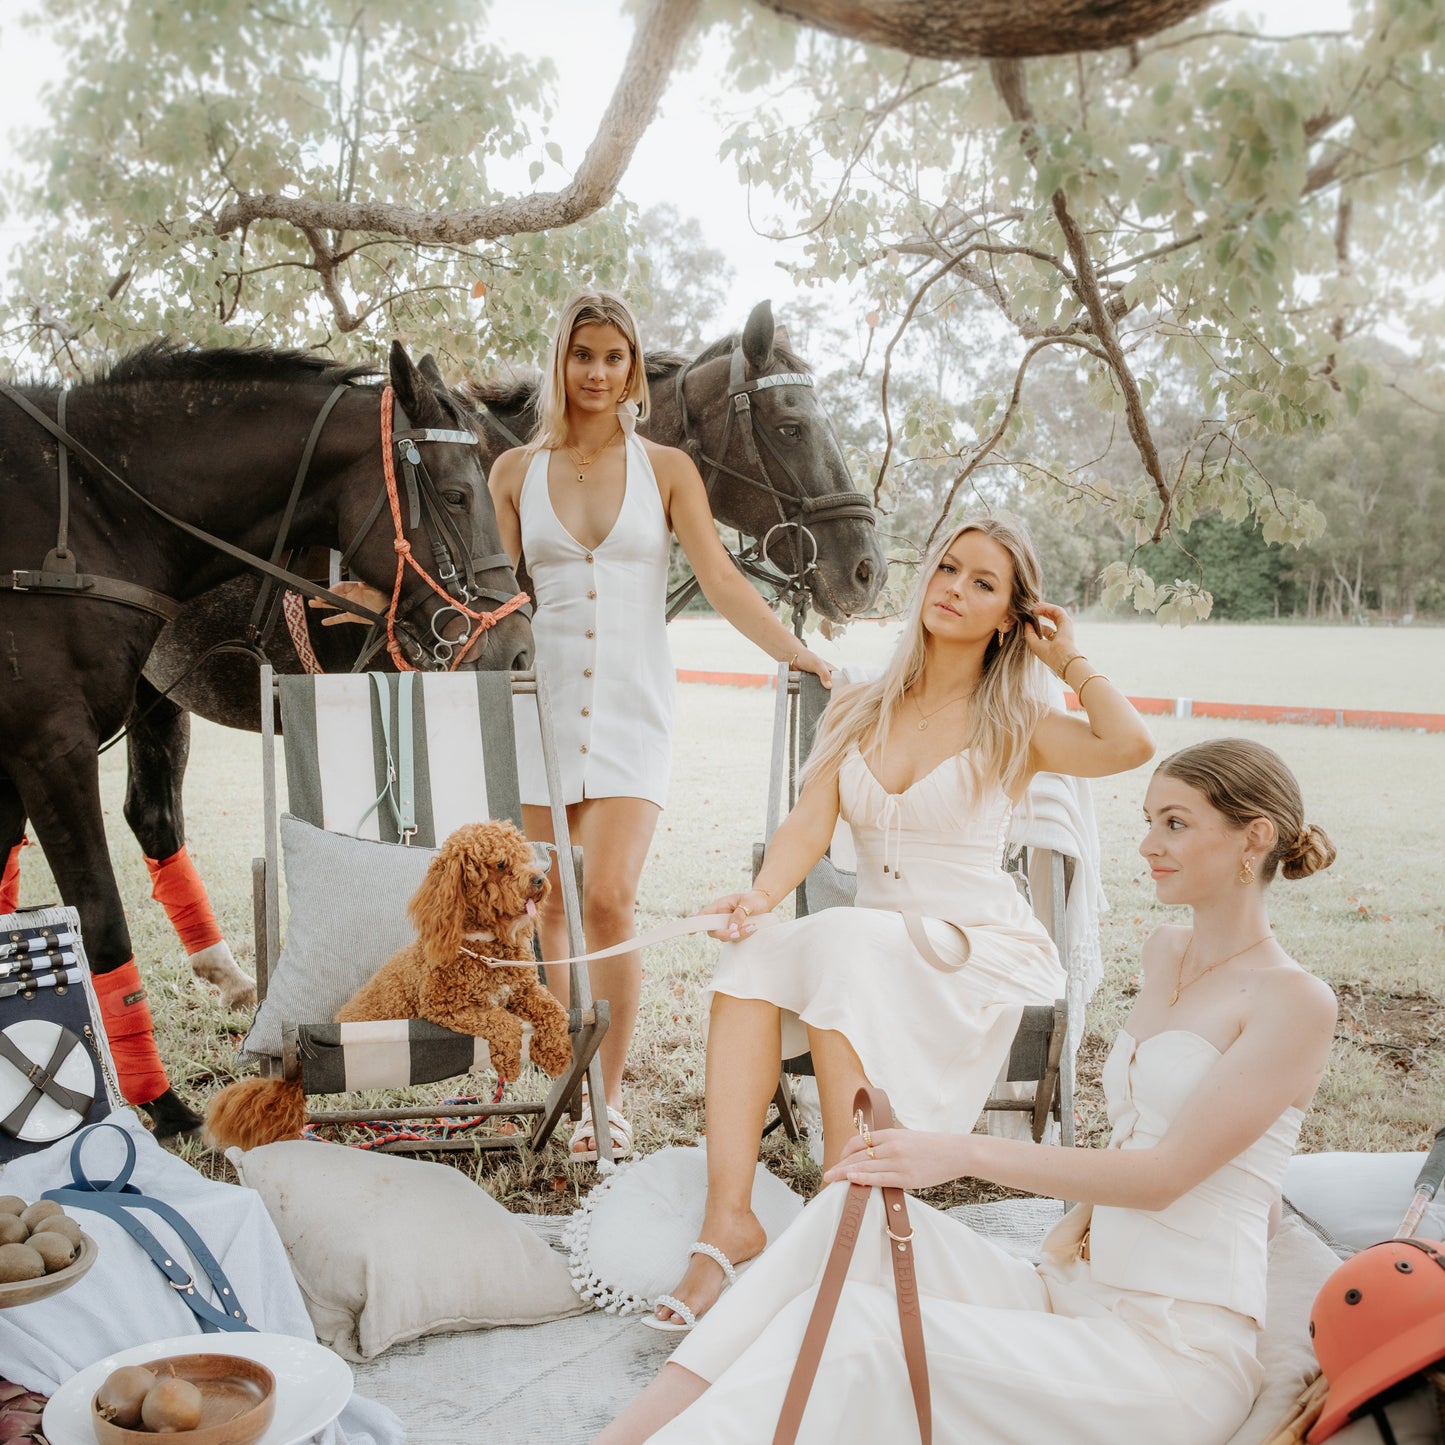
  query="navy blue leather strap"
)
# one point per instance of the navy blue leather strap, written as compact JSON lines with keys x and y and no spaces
{"x":117,"y":1198}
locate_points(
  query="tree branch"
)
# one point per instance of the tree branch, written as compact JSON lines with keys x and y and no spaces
{"x":990,"y":29}
{"x":1008,"y":79}
{"x":634,"y":103}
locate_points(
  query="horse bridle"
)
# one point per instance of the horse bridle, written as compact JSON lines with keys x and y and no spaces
{"x":59,"y":573}
{"x":796,"y":510}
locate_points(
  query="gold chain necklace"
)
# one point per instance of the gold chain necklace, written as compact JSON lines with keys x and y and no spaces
{"x":1180,"y":985}
{"x":924,"y":716}
{"x":583,"y":462}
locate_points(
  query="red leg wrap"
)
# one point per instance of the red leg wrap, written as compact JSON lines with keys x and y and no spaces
{"x":129,"y":1027}
{"x":10,"y":880}
{"x":177,"y":887}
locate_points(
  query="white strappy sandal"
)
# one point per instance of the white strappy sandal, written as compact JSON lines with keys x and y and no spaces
{"x":617,"y":1126}
{"x":689,"y":1319}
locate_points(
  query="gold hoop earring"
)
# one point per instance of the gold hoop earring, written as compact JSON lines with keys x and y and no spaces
{"x":1000,"y":636}
{"x":1246,"y":871}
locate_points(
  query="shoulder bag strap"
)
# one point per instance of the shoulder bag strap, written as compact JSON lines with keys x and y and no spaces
{"x":117,"y":1198}
{"x":873,"y":1111}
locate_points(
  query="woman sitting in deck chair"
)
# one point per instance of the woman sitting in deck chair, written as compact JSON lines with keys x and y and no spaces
{"x":1140,"y":1322}
{"x":919,"y":988}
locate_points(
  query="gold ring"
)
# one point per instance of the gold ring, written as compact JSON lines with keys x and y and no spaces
{"x":871,"y":1154}
{"x":744,"y":910}
{"x":867,"y":1137}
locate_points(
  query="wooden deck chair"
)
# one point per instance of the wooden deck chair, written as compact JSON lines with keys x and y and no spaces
{"x":396,"y":762}
{"x":1039,"y":1056}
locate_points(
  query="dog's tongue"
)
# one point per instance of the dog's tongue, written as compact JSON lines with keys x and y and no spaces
{"x":531,"y":909}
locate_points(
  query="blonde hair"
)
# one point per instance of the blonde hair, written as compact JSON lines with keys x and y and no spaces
{"x":1008,"y":702}
{"x":585,"y":308}
{"x":1245,"y":780}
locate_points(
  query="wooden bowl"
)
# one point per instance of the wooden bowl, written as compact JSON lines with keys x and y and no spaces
{"x":27,"y":1291}
{"x":238,"y":1399}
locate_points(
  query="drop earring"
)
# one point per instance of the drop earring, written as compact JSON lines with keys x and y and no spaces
{"x":1246,"y":871}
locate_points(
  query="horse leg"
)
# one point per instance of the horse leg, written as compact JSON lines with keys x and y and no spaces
{"x":61,"y":794}
{"x":158,"y":745}
{"x":12,"y":840}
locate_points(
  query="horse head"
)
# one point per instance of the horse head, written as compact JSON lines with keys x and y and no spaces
{"x":434,"y":533}
{"x":774,"y":469}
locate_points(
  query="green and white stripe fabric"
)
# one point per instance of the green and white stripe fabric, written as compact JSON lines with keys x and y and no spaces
{"x":346,"y":1058}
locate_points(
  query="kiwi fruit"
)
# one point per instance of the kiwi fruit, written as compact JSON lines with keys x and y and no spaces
{"x":63,"y":1224}
{"x":55,"y":1249}
{"x":41,"y":1209}
{"x":12,"y":1231}
{"x":19,"y":1261}
{"x":11,"y":1204}
{"x":121,"y":1395}
{"x":171,"y":1405}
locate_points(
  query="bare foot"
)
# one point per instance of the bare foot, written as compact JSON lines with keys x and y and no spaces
{"x":740,"y":1237}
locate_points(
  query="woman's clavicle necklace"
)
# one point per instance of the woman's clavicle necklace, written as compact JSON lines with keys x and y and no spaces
{"x":1180,"y":985}
{"x":583,"y":461}
{"x":923,"y":717}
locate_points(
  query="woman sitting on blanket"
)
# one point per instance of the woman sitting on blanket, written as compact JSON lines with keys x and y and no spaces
{"x":919,"y":987}
{"x":1147,"y":1302}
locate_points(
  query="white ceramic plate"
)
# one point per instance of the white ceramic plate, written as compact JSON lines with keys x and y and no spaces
{"x":312,"y":1384}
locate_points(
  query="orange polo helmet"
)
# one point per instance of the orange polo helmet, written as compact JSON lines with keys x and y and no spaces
{"x":1379,"y":1319}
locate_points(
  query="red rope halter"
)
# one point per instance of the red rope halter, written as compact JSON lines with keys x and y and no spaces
{"x":404,"y":559}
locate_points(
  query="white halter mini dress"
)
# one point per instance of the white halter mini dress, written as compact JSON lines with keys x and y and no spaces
{"x":1151,"y":1338}
{"x":601,"y":640}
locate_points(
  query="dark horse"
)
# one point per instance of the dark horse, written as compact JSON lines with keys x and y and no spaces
{"x":774,"y":472}
{"x":172,"y":441}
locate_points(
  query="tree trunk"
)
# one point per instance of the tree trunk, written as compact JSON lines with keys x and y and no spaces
{"x":990,"y":29}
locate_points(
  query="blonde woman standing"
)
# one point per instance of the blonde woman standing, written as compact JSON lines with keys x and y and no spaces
{"x":919,"y":987}
{"x":593,"y":507}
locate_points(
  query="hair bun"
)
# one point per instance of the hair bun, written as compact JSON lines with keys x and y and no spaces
{"x":1309,"y":853}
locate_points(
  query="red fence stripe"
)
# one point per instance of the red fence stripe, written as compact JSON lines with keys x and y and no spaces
{"x":1427,"y":722}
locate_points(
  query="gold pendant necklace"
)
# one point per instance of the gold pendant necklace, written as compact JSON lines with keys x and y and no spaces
{"x":583,"y":462}
{"x":1180,"y":985}
{"x":924,"y":716}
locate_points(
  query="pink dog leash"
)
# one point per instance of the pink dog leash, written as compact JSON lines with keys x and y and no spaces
{"x":678,"y":928}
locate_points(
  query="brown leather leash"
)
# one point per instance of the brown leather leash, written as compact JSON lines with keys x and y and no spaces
{"x":872,"y":1111}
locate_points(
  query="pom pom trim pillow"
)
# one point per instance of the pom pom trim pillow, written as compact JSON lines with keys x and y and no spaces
{"x":628,"y":1242}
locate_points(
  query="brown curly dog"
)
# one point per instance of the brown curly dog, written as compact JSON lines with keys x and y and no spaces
{"x":478,"y":901}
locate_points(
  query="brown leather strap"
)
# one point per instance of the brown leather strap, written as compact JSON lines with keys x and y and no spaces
{"x":875,"y":1113}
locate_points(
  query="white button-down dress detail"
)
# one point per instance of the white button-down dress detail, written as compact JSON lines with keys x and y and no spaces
{"x":600,"y":633}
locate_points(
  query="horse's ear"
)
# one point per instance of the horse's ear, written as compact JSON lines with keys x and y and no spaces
{"x":407,"y":381}
{"x":431,"y":371}
{"x":758,"y":338}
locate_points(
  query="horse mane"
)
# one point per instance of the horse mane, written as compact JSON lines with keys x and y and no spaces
{"x":518,"y":390}
{"x":167,"y":361}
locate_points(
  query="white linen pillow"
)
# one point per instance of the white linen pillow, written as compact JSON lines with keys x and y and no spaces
{"x":347,"y":901}
{"x":387,"y":1249}
{"x":628,"y":1242}
{"x":1360,"y":1198}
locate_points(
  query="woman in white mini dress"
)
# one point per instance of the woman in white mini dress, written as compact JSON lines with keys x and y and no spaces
{"x":592,"y":507}
{"x":1140,"y":1323}
{"x":918,"y":988}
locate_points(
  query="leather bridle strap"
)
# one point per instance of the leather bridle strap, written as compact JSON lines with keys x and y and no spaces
{"x":263,"y":594}
{"x":872,"y":1112}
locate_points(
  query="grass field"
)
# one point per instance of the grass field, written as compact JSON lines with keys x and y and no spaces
{"x":1373,"y":925}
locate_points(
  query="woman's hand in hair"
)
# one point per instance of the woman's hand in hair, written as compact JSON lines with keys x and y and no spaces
{"x":1050,"y":635}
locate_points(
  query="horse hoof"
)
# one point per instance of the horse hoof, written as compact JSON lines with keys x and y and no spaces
{"x":171,"y":1116}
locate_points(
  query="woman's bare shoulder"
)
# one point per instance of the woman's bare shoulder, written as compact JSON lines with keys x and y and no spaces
{"x":1291,"y":992}
{"x":1163,"y":947}
{"x":509,"y":468}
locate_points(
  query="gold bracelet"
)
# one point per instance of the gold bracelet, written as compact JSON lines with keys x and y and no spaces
{"x":1078,"y":656}
{"x":793,"y":660}
{"x":766,"y":894}
{"x":1079,"y":691}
